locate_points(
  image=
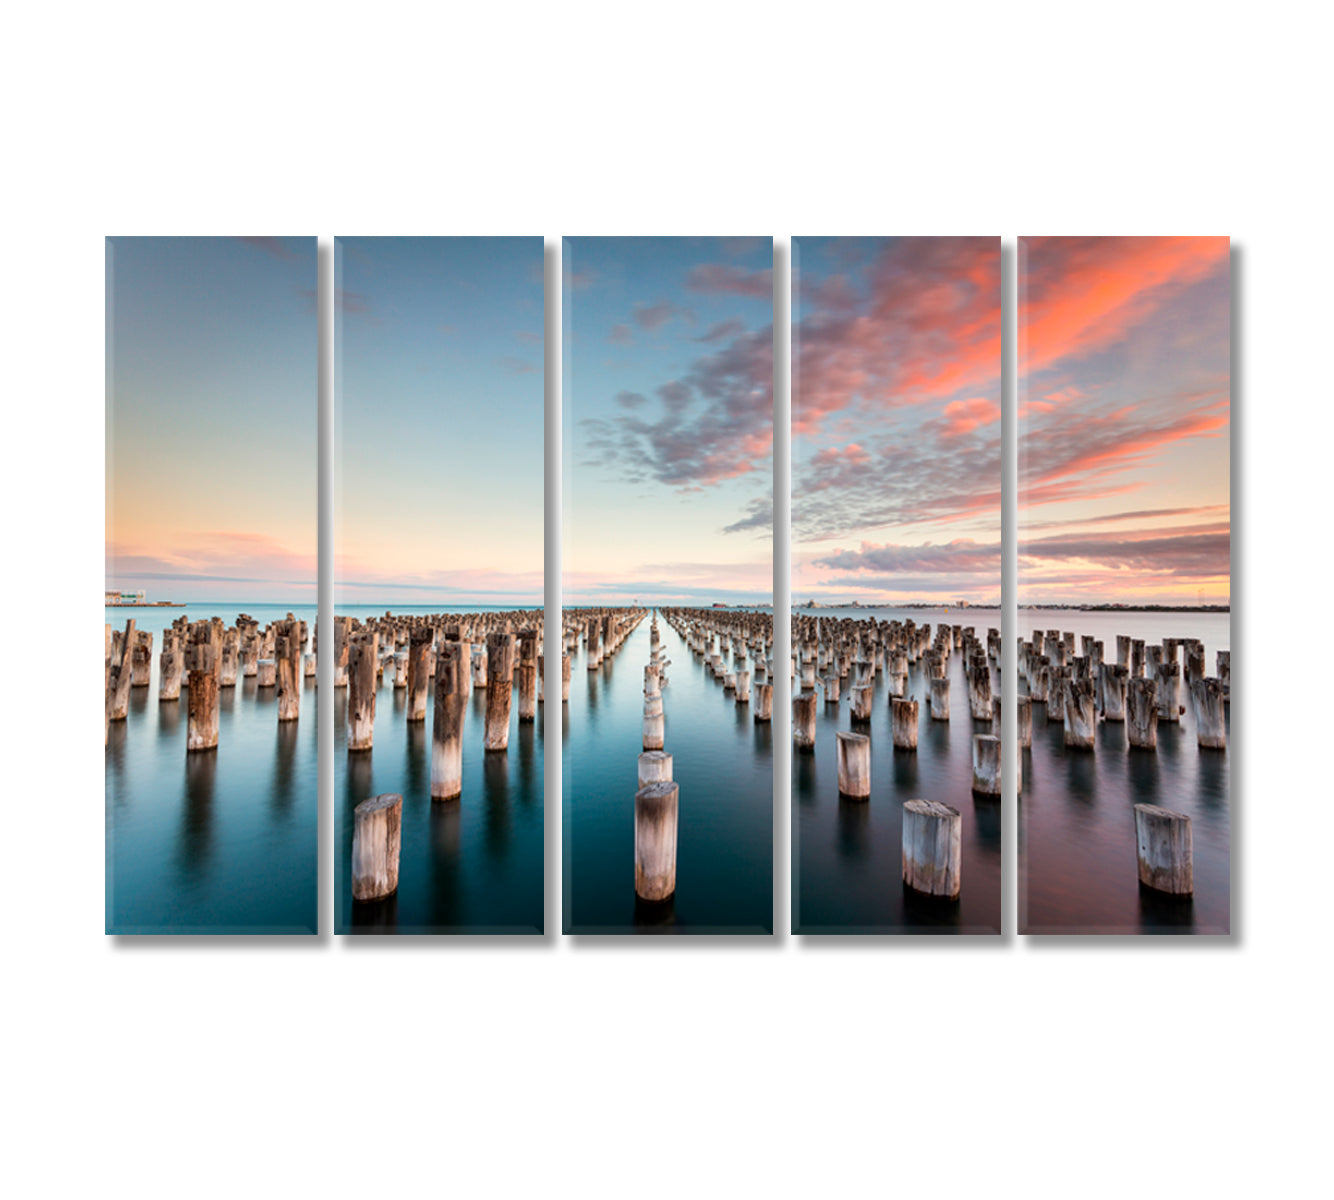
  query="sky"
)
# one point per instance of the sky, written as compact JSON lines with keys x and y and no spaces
{"x":211,"y":412}
{"x":668,"y":420}
{"x":440,"y":421}
{"x":896,"y":394}
{"x":1124,"y":420}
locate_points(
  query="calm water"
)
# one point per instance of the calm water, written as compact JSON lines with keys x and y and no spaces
{"x":721,"y":759}
{"x":471,"y":865}
{"x":848,"y":855}
{"x":218,"y":841}
{"x":1077,"y":867}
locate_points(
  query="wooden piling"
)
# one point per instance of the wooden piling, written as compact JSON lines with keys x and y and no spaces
{"x":932,"y":848}
{"x":764,"y":702}
{"x":1210,"y":725}
{"x":420,"y":641}
{"x":940,"y":699}
{"x":655,"y":766}
{"x":903,"y":722}
{"x":1164,"y":850}
{"x":1142,"y":714}
{"x":363,"y":654}
{"x":451,"y":698}
{"x":499,"y":690}
{"x":655,"y":840}
{"x":287,"y":650}
{"x":986,"y":764}
{"x":171,"y":666}
{"x":377,"y":830}
{"x":1081,"y":718}
{"x":202,"y":692}
{"x":853,"y":754}
{"x":803,"y":720}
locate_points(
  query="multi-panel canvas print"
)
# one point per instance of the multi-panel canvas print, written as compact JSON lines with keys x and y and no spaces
{"x":211,"y":513}
{"x":438,"y":585}
{"x":896,"y":585}
{"x":1124,"y":584}
{"x":667,"y":671}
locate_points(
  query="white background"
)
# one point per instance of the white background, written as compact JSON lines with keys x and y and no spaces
{"x":908,"y":1068}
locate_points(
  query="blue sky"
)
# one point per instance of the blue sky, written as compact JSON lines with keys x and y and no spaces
{"x":668,"y":419}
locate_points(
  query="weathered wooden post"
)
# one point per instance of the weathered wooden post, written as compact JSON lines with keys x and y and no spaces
{"x":377,"y":834}
{"x":853,"y":751}
{"x":1114,"y":678}
{"x":979,"y":691}
{"x":528,"y":676}
{"x":903,"y":722}
{"x":743,"y":687}
{"x":764,"y":702}
{"x":655,"y":840}
{"x":655,"y":766}
{"x":1210,"y":727}
{"x":451,"y":699}
{"x":654,"y":723}
{"x":122,"y":674}
{"x":287,"y":648}
{"x":1081,"y":716}
{"x":803,"y":720}
{"x":1168,"y":677}
{"x":363,"y":651}
{"x":171,"y":666}
{"x":932,"y":848}
{"x":1224,"y":660}
{"x":202,"y":692}
{"x":564,"y":678}
{"x":862,"y":697}
{"x":231,"y":658}
{"x":986,"y":764}
{"x":267,"y":672}
{"x":499,"y":689}
{"x":940,"y":699}
{"x":420,"y":641}
{"x":1142,"y":714}
{"x":342,"y":649}
{"x":141,"y":660}
{"x":1137,"y":658}
{"x":1164,"y":849}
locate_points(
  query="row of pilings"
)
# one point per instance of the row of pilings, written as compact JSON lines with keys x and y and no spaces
{"x":1071,"y":682}
{"x":837,"y":656}
{"x":440,"y":658}
{"x":200,"y":658}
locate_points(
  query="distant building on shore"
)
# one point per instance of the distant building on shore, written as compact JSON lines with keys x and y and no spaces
{"x":126,"y":597}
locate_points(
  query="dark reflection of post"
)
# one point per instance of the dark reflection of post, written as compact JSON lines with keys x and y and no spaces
{"x":196,"y":833}
{"x":987,"y":816}
{"x":935,"y":735}
{"x":905,"y":772}
{"x":416,"y":775}
{"x":369,"y":916}
{"x":360,"y":783}
{"x":400,"y":707}
{"x":592,"y":692}
{"x":655,"y":914}
{"x":284,"y":771}
{"x":168,"y":719}
{"x":564,"y":724}
{"x":804,"y":775}
{"x":1211,"y":780}
{"x":854,"y":830}
{"x":249,"y":690}
{"x":446,"y":834}
{"x":930,"y":910}
{"x":524,"y":738}
{"x":1142,"y":775}
{"x":495,"y":801}
{"x":1111,"y":737}
{"x":1081,"y":774}
{"x":1159,"y":910}
{"x":117,"y":761}
{"x":764,"y":738}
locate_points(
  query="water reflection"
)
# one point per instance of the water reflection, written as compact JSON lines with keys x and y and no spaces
{"x":655,"y":914}
{"x":987,"y":821}
{"x":195,"y":838}
{"x":854,"y":829}
{"x":284,"y":775}
{"x":496,"y":800}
